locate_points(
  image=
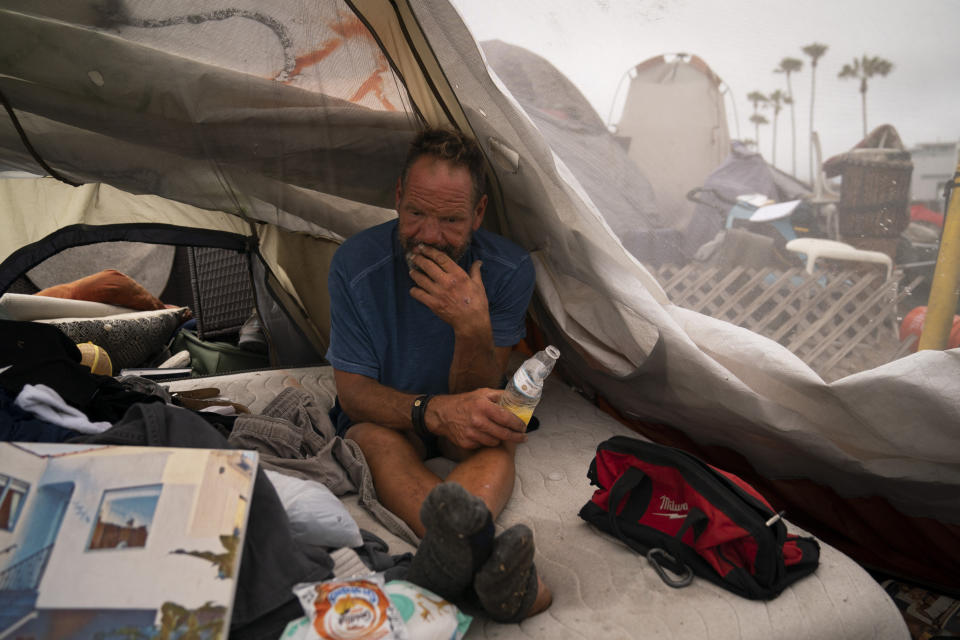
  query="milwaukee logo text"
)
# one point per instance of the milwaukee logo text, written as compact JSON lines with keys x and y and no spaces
{"x":669,"y":505}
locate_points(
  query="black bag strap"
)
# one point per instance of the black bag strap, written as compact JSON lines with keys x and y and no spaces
{"x":695,"y":519}
{"x":629,"y":480}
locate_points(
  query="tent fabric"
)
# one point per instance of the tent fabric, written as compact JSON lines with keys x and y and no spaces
{"x":96,"y":212}
{"x":246,"y":127}
{"x":675,"y":119}
{"x":148,"y":264}
{"x":883,"y":432}
{"x":611,"y":179}
{"x":200,"y":128}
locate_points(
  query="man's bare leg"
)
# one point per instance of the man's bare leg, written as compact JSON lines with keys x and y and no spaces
{"x":403,"y":482}
{"x":489,"y":474}
{"x":401,"y":479}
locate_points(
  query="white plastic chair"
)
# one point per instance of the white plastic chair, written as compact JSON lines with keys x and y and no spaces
{"x":816,"y":248}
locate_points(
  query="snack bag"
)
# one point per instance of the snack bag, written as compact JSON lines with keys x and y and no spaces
{"x":426,"y":615}
{"x":352,"y":609}
{"x":296,"y":629}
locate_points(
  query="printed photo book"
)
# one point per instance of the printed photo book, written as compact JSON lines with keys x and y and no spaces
{"x":120,"y":542}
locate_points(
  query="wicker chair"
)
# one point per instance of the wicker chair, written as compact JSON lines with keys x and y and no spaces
{"x":223,"y":296}
{"x":874,"y":192}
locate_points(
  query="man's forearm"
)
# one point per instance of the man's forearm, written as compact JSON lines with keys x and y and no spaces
{"x":366,"y":400}
{"x":475,"y":362}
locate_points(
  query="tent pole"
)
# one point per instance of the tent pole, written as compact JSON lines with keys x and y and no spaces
{"x":946,"y":278}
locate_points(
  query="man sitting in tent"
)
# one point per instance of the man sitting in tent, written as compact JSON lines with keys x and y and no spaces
{"x":425,"y":310}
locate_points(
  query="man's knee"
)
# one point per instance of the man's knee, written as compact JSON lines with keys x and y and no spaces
{"x":375,"y":440}
{"x":504,"y":451}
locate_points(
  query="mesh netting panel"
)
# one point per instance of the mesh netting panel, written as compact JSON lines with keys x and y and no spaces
{"x":249,"y":109}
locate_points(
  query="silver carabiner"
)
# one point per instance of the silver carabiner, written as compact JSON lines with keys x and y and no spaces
{"x":685,"y":579}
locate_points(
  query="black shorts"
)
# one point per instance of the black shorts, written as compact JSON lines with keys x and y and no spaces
{"x":342,"y":423}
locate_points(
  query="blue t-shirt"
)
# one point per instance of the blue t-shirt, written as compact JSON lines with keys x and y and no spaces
{"x":378,"y":330}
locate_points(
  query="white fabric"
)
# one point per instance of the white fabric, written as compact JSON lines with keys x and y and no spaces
{"x":48,"y":405}
{"x":20,"y":306}
{"x":177,"y":360}
{"x":347,"y":564}
{"x":317,"y":517}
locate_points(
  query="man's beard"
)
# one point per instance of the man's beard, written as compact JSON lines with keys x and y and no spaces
{"x":454,"y":253}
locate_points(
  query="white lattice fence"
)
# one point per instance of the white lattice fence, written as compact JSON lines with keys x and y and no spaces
{"x":838,"y":321}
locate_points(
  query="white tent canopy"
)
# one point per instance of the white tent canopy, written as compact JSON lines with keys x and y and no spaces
{"x":676,"y":151}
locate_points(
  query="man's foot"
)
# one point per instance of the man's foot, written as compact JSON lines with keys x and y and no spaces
{"x":458,"y":540}
{"x":508,"y":585}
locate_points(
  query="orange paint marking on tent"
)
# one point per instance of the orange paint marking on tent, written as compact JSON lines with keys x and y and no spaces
{"x":348,"y":27}
{"x":374,"y":83}
{"x":312,"y":58}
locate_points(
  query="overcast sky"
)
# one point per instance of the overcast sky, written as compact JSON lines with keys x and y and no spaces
{"x":595,"y":42}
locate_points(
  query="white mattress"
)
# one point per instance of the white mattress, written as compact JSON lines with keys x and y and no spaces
{"x":601,"y":588}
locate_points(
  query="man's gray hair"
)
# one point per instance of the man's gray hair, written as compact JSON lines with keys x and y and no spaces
{"x":454,"y":147}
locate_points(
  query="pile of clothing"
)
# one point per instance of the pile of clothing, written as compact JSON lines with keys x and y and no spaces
{"x":47,"y":395}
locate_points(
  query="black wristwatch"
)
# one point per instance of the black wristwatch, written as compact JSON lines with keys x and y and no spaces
{"x":418,"y":415}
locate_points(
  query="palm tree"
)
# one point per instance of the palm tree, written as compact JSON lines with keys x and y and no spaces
{"x":815,"y":51}
{"x":777,"y":99}
{"x":788,"y":66}
{"x":757,"y":98}
{"x":758,"y":119}
{"x":864,"y":69}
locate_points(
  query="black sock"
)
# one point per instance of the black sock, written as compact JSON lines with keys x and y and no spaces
{"x":458,"y":540}
{"x":507,"y":583}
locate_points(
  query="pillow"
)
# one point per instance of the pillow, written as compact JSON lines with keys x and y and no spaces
{"x":27,"y":307}
{"x":317,"y":517}
{"x":109,"y":286}
{"x":130,"y":339}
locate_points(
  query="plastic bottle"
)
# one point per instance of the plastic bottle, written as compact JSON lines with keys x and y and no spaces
{"x":526,"y":386}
